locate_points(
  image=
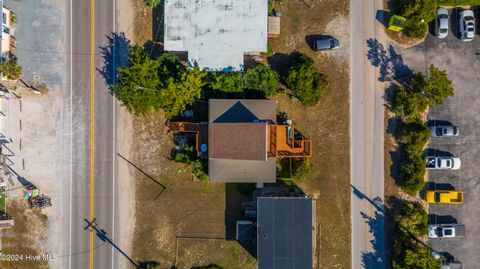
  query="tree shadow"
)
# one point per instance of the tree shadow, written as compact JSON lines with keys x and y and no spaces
{"x":382,"y":16}
{"x":115,"y":54}
{"x":281,"y":62}
{"x":436,"y":153}
{"x":376,"y":257}
{"x":441,"y":219}
{"x":235,"y":195}
{"x":390,"y":64}
{"x":432,"y":123}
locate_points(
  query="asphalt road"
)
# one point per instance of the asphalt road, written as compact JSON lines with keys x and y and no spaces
{"x":463,"y":68}
{"x":366,"y":131}
{"x":92,"y":115}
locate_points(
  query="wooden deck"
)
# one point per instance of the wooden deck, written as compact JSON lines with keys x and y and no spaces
{"x":283,"y":144}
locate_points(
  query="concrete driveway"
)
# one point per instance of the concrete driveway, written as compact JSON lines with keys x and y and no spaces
{"x":463,"y":68}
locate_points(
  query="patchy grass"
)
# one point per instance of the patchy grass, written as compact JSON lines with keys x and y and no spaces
{"x":26,"y":237}
{"x":326,"y":124}
{"x":186,"y":208}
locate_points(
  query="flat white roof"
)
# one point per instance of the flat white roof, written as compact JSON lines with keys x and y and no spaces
{"x":216,"y":33}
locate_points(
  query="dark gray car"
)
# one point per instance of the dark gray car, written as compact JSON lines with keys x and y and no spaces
{"x":326,"y":43}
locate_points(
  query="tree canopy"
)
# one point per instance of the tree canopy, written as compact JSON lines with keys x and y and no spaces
{"x":305,"y":81}
{"x":418,"y":13}
{"x":148,"y":84}
{"x":413,"y":219}
{"x":422,"y":91}
{"x":262,"y":78}
{"x":11,"y":70}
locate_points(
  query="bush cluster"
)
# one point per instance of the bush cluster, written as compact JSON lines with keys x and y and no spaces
{"x":418,"y":14}
{"x":421,"y":92}
{"x":11,"y":70}
{"x":412,"y":138}
{"x":407,"y":252}
{"x":305,"y":81}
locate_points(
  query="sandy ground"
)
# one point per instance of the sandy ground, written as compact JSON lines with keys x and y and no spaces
{"x":124,"y":134}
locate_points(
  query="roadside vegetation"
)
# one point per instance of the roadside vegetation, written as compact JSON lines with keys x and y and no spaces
{"x":410,"y":103}
{"x":418,"y":14}
{"x":458,"y":2}
{"x":11,"y":70}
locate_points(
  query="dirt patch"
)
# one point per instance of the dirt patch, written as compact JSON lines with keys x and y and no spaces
{"x":26,"y":239}
{"x":170,"y":204}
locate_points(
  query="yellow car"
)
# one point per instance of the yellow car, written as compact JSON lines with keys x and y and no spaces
{"x":444,"y":197}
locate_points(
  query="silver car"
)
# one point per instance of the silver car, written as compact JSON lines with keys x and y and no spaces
{"x":326,"y":43}
{"x":444,"y":131}
{"x":442,"y":22}
{"x":467,"y":25}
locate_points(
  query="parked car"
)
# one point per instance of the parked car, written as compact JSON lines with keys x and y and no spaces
{"x":442,"y":22}
{"x":444,"y":131}
{"x":444,"y":197}
{"x":467,"y":25}
{"x":446,"y":230}
{"x":448,"y":163}
{"x":326,"y":43}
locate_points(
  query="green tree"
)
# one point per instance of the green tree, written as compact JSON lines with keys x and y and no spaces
{"x":437,"y":86}
{"x":422,"y":91}
{"x":305,"y":81}
{"x":153,"y":3}
{"x":232,"y":82}
{"x":412,"y":171}
{"x":418,"y":14}
{"x":11,"y":70}
{"x":262,"y":78}
{"x":138,"y":83}
{"x":301,"y":169}
{"x":420,"y":257}
{"x":413,"y":219}
{"x":169,"y":68}
{"x":178,"y":94}
{"x":414,"y":136}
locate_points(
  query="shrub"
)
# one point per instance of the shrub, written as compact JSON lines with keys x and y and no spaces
{"x":11,"y":70}
{"x":305,"y":81}
{"x":412,"y":171}
{"x":200,"y":170}
{"x":422,"y":91}
{"x":301,"y":169}
{"x":415,"y":11}
{"x":153,"y":3}
{"x":186,"y":155}
{"x":232,"y":82}
{"x":458,"y":2}
{"x":262,"y":78}
{"x":414,"y":136}
{"x":413,"y":219}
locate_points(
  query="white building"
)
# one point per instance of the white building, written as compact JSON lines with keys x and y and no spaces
{"x":6,"y":33}
{"x":216,"y":34}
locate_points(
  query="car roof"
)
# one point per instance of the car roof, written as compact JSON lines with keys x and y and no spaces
{"x":323,"y":43}
{"x":467,"y":12}
{"x":444,"y":23}
{"x":442,"y":10}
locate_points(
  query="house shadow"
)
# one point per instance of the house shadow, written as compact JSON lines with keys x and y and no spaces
{"x":235,"y":195}
{"x":115,"y":54}
{"x":158,"y":23}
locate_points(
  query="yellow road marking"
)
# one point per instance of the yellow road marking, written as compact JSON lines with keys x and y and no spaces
{"x":92,"y":124}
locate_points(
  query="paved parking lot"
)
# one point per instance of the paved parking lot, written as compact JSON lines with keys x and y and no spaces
{"x":463,"y":110}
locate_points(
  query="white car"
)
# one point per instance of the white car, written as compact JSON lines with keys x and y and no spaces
{"x":444,"y":131}
{"x":467,"y":25}
{"x":442,"y":22}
